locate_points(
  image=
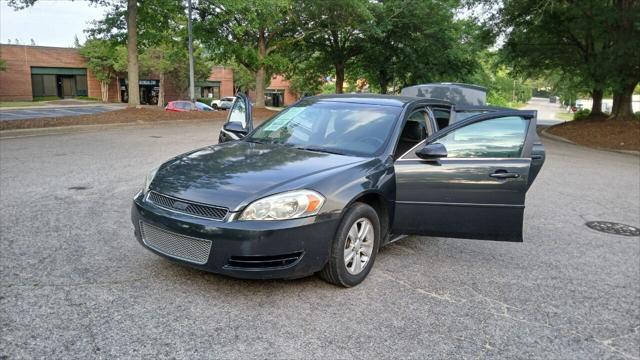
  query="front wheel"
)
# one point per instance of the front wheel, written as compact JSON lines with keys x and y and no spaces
{"x":354,"y":248}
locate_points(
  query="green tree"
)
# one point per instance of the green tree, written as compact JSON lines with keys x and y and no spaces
{"x":249,"y":33}
{"x":624,"y":56}
{"x":504,"y":88}
{"x":104,"y":60}
{"x":76,"y":42}
{"x":162,"y":60}
{"x":595,"y":41}
{"x":332,"y":32}
{"x":171,"y":60}
{"x":243,"y":79}
{"x":415,"y":41}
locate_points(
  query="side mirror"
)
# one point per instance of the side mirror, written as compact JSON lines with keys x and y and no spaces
{"x":432,"y":151}
{"x":235,"y":127}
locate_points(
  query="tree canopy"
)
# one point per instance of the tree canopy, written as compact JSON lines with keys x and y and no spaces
{"x":595,"y":42}
{"x":249,"y":33}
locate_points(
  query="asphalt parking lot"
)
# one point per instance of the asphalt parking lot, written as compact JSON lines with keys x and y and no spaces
{"x":55,"y":111}
{"x":76,"y":284}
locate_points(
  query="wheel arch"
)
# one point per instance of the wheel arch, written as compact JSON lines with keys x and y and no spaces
{"x":381,"y":205}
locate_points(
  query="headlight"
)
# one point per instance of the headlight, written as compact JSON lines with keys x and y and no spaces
{"x":148,"y":180}
{"x":287,"y":205}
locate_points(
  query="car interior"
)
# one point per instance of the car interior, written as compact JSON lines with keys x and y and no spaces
{"x":442,"y":116}
{"x":414,"y":131}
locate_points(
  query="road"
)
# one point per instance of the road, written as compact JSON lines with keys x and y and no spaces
{"x":55,"y":111}
{"x":76,"y":284}
{"x":546,"y":110}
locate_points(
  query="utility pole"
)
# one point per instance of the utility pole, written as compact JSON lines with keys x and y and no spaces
{"x":192,"y":89}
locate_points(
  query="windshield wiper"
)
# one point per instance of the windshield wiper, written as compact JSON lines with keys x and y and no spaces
{"x":318,"y":149}
{"x":252,"y":140}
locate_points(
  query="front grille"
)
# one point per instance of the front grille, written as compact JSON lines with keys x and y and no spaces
{"x":177,"y":246}
{"x":187,"y":207}
{"x":264,"y":262}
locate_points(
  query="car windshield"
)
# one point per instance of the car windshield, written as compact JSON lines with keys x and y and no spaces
{"x":333,"y":127}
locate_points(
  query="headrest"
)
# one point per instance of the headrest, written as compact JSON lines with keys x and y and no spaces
{"x":412,"y":132}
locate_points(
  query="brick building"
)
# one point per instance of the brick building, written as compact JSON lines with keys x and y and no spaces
{"x":43,"y":71}
{"x":220,"y":84}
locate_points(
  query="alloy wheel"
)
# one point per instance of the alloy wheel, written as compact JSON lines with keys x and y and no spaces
{"x":359,"y":246}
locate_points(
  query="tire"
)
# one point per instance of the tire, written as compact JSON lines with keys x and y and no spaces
{"x":340,"y":271}
{"x":214,"y":106}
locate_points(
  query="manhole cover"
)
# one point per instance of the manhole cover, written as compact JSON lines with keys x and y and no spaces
{"x":155,"y":137}
{"x":613,"y":228}
{"x":78,"y":188}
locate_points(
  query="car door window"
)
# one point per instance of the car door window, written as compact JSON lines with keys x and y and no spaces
{"x":413,"y":132}
{"x":442,"y":117}
{"x":238,"y":113}
{"x":494,"y":138}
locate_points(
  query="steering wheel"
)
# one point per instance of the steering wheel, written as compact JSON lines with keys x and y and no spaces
{"x":373,"y":141}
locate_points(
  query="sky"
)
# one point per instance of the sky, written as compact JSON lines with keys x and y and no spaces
{"x":48,"y":22}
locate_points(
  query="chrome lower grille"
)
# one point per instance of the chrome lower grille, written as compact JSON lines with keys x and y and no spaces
{"x":175,"y":245}
{"x":187,"y":207}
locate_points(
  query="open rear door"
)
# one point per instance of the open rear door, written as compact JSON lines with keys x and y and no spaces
{"x":239,"y":121}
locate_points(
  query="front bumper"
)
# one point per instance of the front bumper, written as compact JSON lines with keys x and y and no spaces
{"x":244,"y":249}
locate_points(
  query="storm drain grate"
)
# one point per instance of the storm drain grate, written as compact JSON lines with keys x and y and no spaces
{"x":613,"y":228}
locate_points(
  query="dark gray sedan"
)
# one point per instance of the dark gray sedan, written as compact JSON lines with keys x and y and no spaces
{"x":321,"y":186}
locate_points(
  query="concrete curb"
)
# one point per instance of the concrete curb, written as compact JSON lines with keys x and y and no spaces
{"x":545,"y":134}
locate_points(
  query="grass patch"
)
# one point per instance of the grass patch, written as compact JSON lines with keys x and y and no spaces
{"x":86,"y":98}
{"x":45,"y":98}
{"x":4,"y":104}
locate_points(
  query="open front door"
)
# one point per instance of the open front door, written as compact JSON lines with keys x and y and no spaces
{"x":472,"y":184}
{"x":239,"y":121}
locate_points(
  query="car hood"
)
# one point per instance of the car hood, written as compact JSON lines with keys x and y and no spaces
{"x":235,"y":173}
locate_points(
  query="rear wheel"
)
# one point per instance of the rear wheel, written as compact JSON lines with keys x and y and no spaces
{"x":354,"y":248}
{"x":214,"y":106}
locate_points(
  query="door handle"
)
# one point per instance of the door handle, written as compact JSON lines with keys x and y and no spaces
{"x":503,"y":174}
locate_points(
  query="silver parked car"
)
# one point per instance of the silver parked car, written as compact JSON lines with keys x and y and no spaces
{"x":223,"y":103}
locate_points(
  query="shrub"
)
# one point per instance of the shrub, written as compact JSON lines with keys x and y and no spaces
{"x":204,"y":100}
{"x":581,"y":114}
{"x":637,"y":114}
{"x":45,"y":98}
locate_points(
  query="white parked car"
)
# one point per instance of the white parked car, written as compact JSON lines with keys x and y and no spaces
{"x":223,"y":103}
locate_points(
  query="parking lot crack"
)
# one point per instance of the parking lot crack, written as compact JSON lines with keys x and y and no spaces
{"x":444,"y":297}
{"x":608,"y":343}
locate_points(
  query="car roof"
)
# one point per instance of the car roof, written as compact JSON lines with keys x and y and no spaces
{"x":374,"y":99}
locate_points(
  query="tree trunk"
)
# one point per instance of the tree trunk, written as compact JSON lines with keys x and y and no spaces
{"x":104,"y":91}
{"x":260,"y":74}
{"x":596,"y":108}
{"x":622,"y":103}
{"x":132,"y":52}
{"x":161,"y":91}
{"x":339,"y":77}
{"x":384,"y":84}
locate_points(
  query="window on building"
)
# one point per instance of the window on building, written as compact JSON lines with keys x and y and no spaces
{"x":44,"y":85}
{"x":81,"y":85}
